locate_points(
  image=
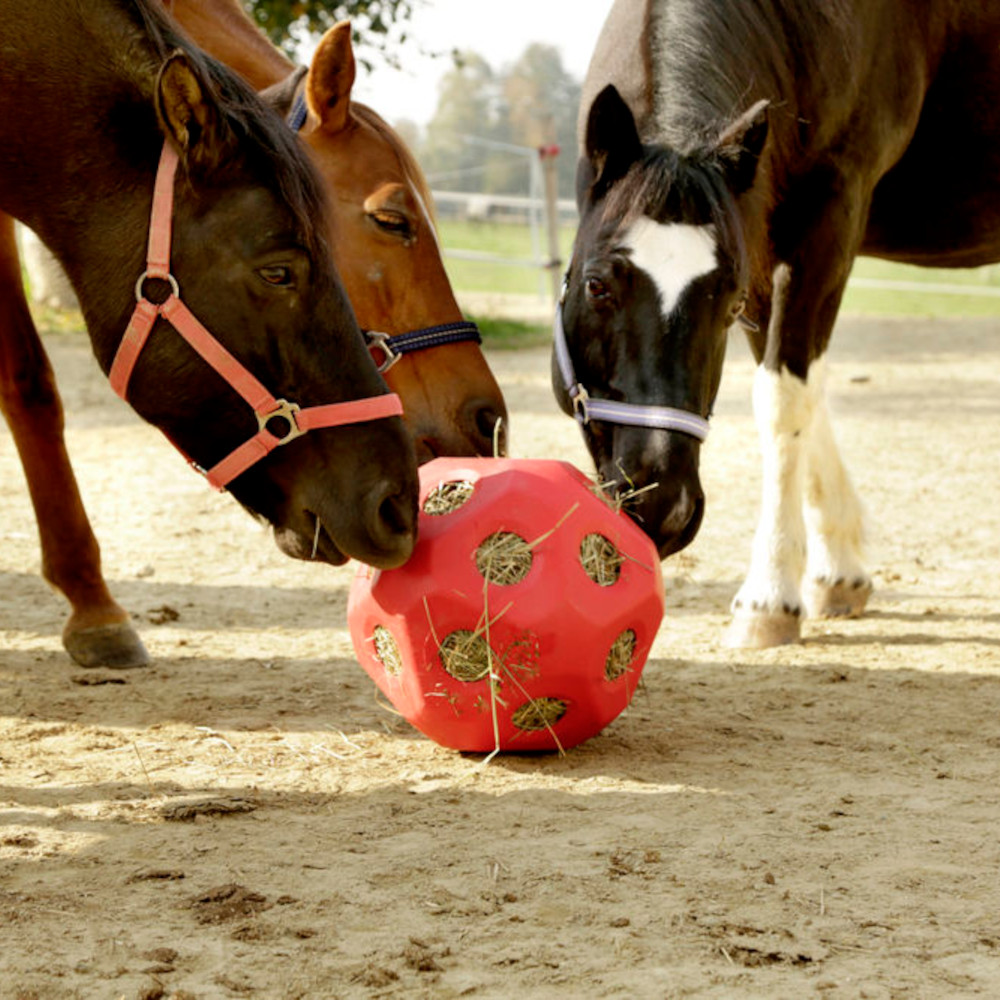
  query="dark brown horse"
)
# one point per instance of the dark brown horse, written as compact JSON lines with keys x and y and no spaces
{"x":381,"y":231}
{"x":737,"y":155}
{"x":92,"y":97}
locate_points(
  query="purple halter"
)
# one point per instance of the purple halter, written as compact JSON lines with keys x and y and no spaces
{"x":585,"y":409}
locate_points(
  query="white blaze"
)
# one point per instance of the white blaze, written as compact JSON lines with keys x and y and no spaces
{"x":673,"y":254}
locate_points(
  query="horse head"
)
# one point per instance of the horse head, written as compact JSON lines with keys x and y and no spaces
{"x":386,"y":249}
{"x":249,"y":259}
{"x":658,"y":274}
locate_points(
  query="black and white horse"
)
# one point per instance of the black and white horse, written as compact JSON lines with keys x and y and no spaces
{"x":736,"y":156}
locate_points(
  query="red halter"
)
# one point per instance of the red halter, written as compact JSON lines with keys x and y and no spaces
{"x":173,"y":310}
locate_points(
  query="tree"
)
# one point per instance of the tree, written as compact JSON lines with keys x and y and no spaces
{"x":541,"y":101}
{"x":467,"y":111}
{"x":531,"y":103}
{"x":378,"y":25}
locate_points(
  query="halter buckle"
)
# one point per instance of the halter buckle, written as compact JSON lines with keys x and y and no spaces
{"x":378,"y":341}
{"x":580,"y":400}
{"x":286,"y":411}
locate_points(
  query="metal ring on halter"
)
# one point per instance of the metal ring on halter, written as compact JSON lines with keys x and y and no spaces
{"x":381,"y":342}
{"x":580,"y":400}
{"x":286,"y":411}
{"x":174,"y":287}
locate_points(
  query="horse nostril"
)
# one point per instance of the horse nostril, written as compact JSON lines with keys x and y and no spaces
{"x":391,"y":512}
{"x":486,"y":427}
{"x":679,"y":528}
{"x":392,"y":524}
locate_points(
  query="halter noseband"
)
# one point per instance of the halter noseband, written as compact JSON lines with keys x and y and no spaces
{"x":387,"y":348}
{"x":176,"y":313}
{"x":585,"y":408}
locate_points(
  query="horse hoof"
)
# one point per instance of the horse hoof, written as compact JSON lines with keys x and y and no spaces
{"x":761,"y":629}
{"x":117,"y":646}
{"x":837,"y":600}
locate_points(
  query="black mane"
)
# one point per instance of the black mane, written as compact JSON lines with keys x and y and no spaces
{"x":277,"y":153}
{"x":718,"y":58}
{"x":668,"y":186}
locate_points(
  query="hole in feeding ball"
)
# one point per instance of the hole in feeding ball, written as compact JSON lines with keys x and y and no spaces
{"x":503,"y":558}
{"x":446,"y":497}
{"x":465,"y":655}
{"x":602,"y":562}
{"x":387,"y":651}
{"x":620,"y":656}
{"x":539,"y":713}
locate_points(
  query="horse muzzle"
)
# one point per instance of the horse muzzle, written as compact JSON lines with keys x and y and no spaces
{"x":657,"y":485}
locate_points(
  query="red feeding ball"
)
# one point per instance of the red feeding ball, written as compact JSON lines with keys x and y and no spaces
{"x":523,"y":618}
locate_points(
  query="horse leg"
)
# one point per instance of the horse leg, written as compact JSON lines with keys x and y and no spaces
{"x":827,"y":212}
{"x":836,"y":584}
{"x":767,"y":609}
{"x":98,"y":632}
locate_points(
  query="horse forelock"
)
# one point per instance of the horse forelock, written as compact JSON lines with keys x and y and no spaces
{"x":272,"y":152}
{"x":667,"y":187}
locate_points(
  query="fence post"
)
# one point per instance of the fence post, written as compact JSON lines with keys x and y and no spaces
{"x":547,"y":155}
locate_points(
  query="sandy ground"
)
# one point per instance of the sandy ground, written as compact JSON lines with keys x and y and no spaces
{"x":244,"y":819}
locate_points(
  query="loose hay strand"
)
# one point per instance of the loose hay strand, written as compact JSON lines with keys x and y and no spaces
{"x":497,"y":431}
{"x":494,"y":680}
{"x":315,"y":547}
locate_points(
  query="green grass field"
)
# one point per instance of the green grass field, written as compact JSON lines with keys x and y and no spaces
{"x":927,"y":292}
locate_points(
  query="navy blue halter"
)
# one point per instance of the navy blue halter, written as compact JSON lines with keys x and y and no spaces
{"x":394,"y":346}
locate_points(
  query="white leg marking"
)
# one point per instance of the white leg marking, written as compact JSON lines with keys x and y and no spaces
{"x":673,"y":254}
{"x":783,"y":407}
{"x":834,"y":516}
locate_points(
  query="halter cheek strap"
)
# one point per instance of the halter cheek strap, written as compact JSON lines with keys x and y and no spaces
{"x":585,"y":408}
{"x":298,"y":420}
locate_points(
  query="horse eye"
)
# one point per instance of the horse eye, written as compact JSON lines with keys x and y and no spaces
{"x":391,"y":222}
{"x":277,"y":275}
{"x":596,"y":289}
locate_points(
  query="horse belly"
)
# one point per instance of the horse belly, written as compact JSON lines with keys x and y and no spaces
{"x":938,"y":204}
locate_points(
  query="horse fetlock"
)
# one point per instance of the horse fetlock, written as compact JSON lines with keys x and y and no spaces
{"x":843,"y":597}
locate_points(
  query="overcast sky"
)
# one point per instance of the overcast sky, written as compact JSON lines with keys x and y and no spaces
{"x":499,"y":30}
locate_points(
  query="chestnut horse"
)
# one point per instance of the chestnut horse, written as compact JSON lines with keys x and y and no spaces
{"x":736,"y":156}
{"x":381,"y":230}
{"x":92,"y":98}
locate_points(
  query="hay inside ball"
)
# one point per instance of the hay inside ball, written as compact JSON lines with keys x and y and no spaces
{"x":525,"y":615}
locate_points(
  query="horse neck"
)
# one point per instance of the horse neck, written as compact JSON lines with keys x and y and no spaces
{"x":79,"y":150}
{"x":224,"y":30}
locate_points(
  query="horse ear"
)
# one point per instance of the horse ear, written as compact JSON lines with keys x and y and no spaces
{"x":612,"y":140}
{"x":331,"y":77}
{"x":188,"y":114}
{"x":740,"y":145}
